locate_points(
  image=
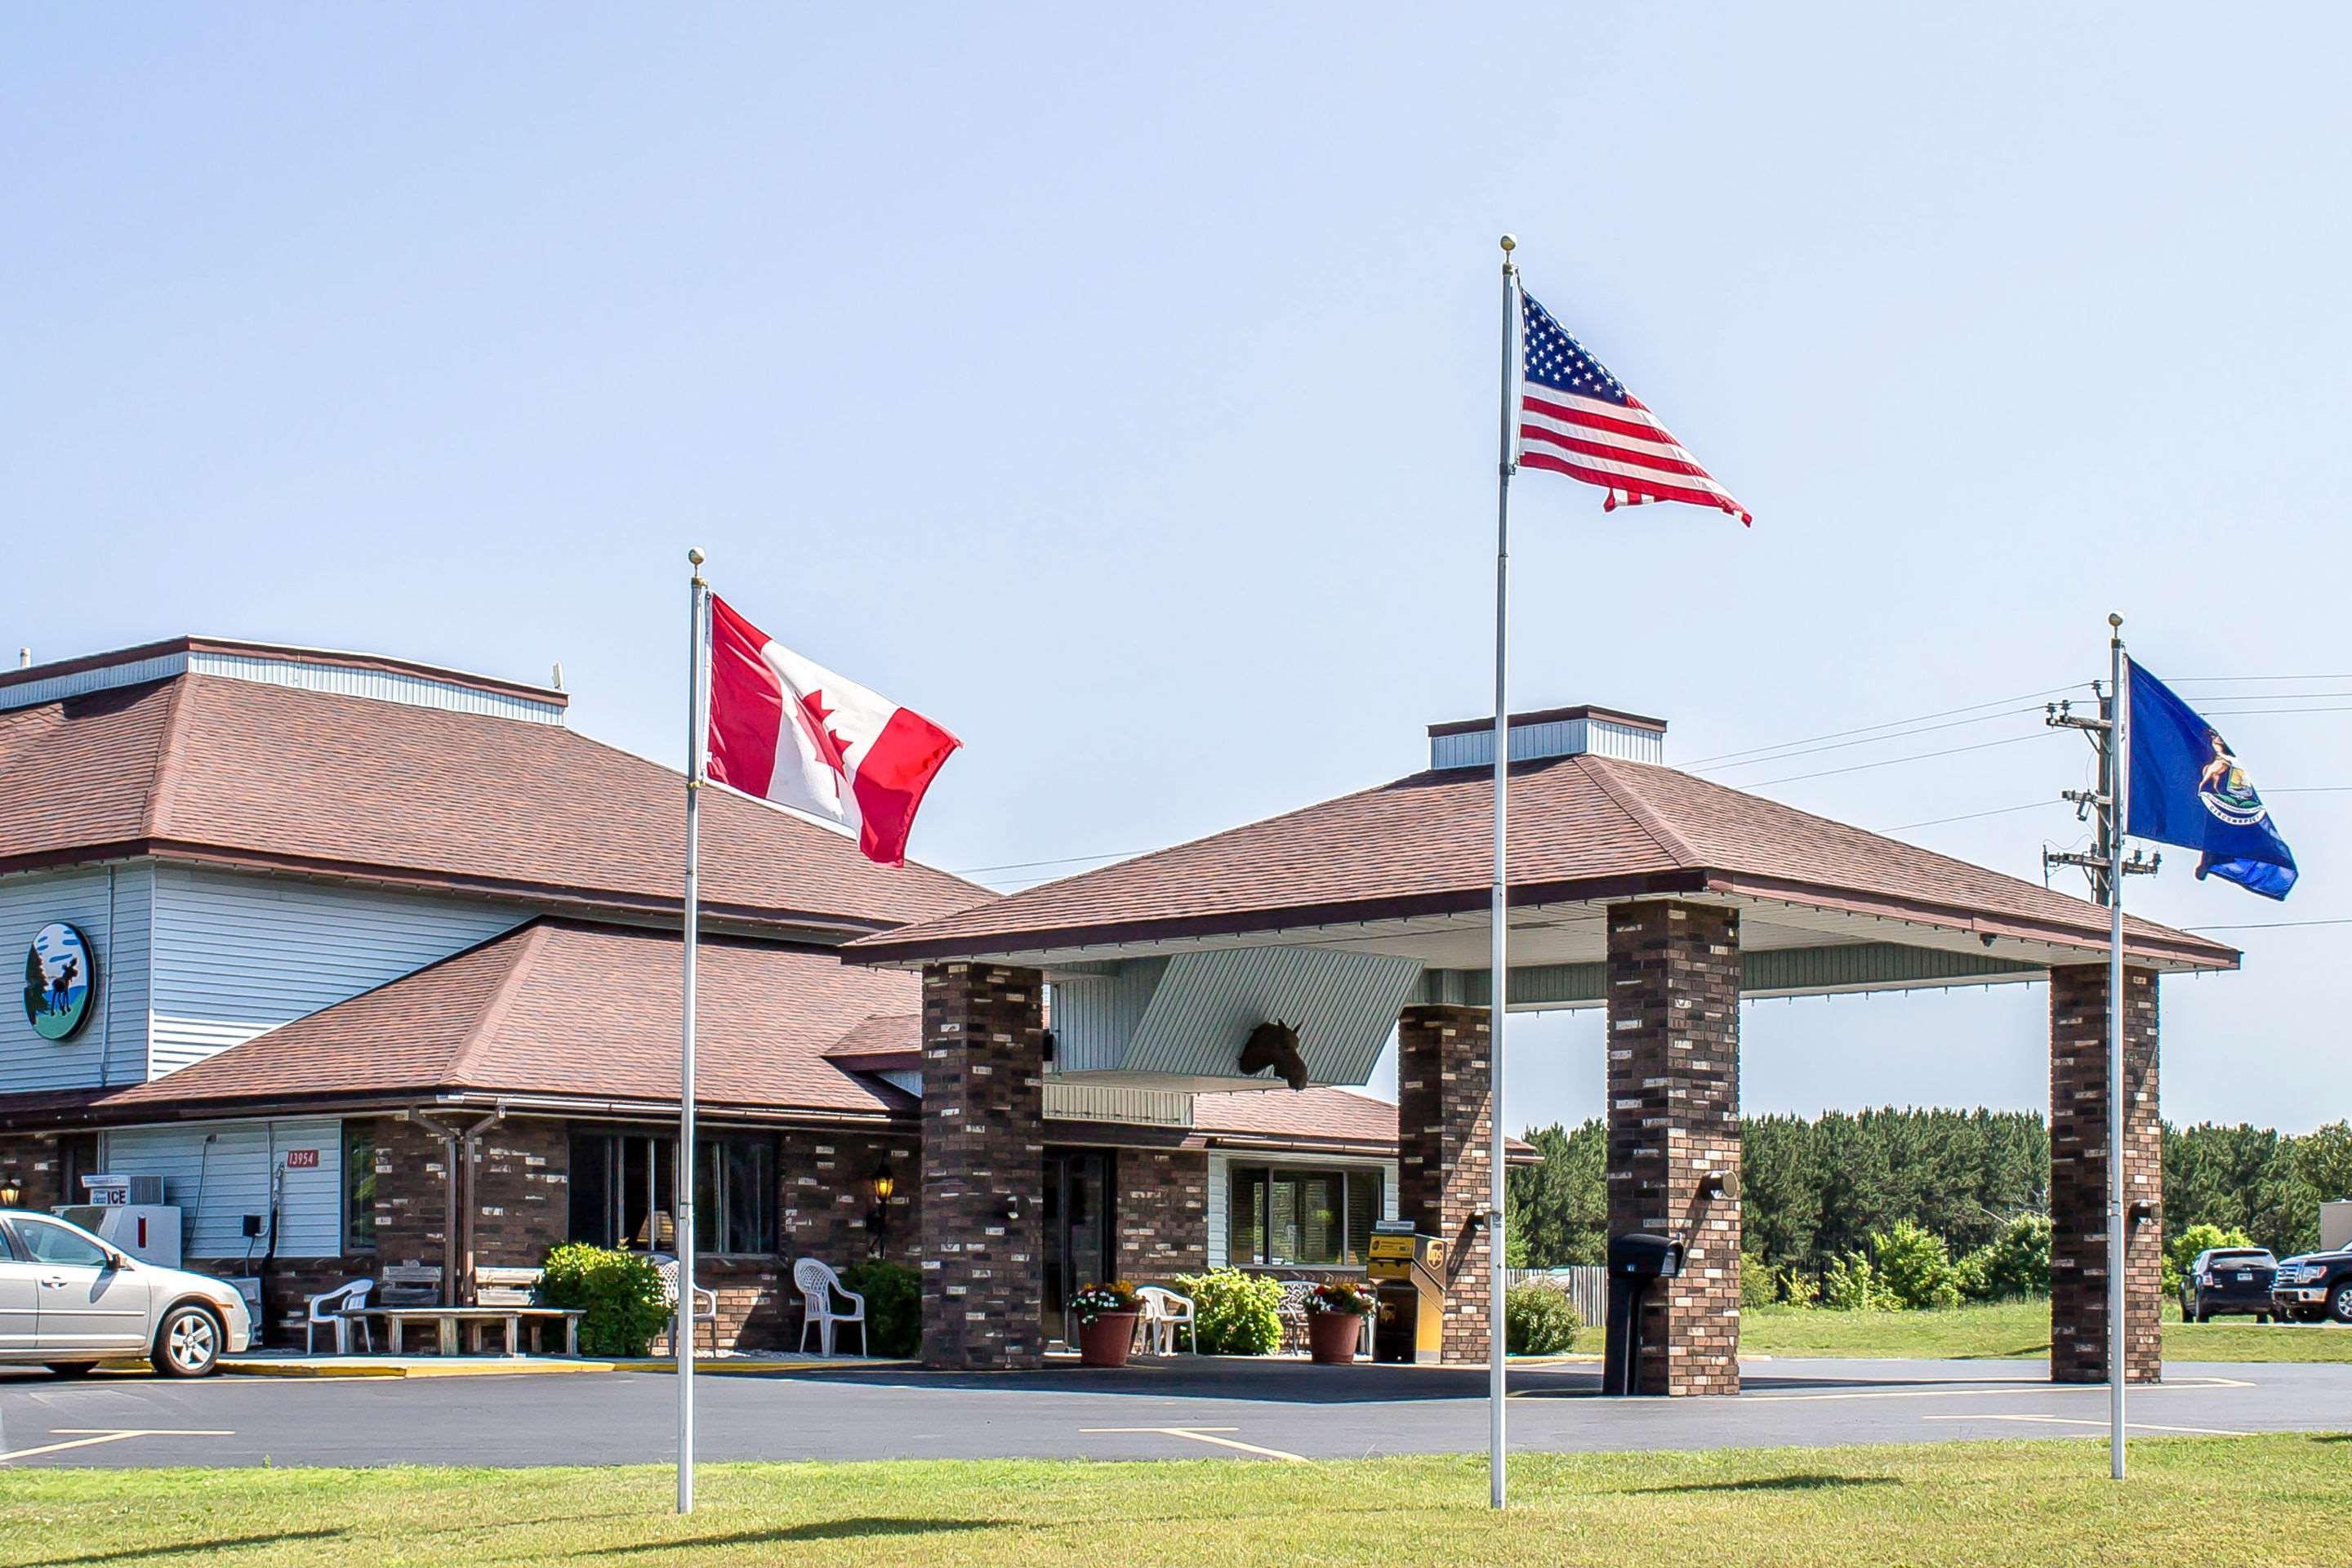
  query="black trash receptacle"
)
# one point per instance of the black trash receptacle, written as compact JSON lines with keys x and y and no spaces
{"x":1636,"y":1260}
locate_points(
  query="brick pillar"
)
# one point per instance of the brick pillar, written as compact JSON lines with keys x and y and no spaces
{"x":1446,"y":1133}
{"x":2078,"y":1177}
{"x":1674,"y":1118}
{"x":983,"y":1166}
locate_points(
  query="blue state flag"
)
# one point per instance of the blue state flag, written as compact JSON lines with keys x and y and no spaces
{"x":2189,"y":788}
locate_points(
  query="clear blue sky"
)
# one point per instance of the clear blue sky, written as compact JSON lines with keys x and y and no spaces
{"x":1120,"y":391}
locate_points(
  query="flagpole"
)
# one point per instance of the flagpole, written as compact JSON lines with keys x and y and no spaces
{"x":2118,"y":803}
{"x":697,"y":739}
{"x":1498,"y":970}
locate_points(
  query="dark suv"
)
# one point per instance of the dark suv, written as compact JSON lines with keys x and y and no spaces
{"x":2314,"y":1285}
{"x":2229,"y":1279}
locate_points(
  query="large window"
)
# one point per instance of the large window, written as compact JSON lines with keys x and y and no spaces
{"x":624,"y":1192}
{"x":1281,"y":1217}
{"x":359,"y":1186}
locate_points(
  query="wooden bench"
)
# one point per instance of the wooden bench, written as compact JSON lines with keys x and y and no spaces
{"x":450,"y":1324}
{"x":507,"y":1298}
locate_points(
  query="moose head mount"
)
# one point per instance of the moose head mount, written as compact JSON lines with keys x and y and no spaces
{"x":1273,"y":1045}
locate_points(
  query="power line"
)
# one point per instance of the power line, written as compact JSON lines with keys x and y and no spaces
{"x":1026,"y":865}
{"x":1889,"y":724}
{"x":1913,"y":757}
{"x":1972,"y":815}
{"x":2268,"y":925}
{"x":1867,"y":741}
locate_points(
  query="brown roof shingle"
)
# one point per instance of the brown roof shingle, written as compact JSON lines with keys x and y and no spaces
{"x":214,"y":768}
{"x":1582,"y":826}
{"x":563,"y":1009}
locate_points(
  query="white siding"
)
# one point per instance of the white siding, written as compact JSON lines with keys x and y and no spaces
{"x":216,"y":1185}
{"x":109,"y":904}
{"x":235,"y":955}
{"x":1221,"y":1187}
{"x":292,"y":668}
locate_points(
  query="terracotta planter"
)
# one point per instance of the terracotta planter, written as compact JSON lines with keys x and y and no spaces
{"x":1331,"y":1337}
{"x":1107,"y":1341}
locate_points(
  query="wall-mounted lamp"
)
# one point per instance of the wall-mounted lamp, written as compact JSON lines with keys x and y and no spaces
{"x":10,"y":1195}
{"x":2143,"y":1211}
{"x":1720,"y":1184}
{"x":881,"y":1184}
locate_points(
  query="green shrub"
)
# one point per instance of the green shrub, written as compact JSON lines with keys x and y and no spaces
{"x":1235,"y":1314}
{"x":2013,"y":1264}
{"x":894,"y":1305}
{"x":1758,"y":1286}
{"x":1851,"y":1285}
{"x":1915,"y":1266}
{"x":1537,"y":1320}
{"x":620,"y":1292}
{"x":1800,"y":1288}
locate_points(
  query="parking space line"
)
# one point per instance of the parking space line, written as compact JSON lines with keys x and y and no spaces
{"x":2079,"y":1421}
{"x":99,"y":1434}
{"x":2015,"y":1386}
{"x":1204,"y":1434}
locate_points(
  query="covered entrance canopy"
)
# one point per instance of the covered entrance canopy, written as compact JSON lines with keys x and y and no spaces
{"x":1657,"y":894}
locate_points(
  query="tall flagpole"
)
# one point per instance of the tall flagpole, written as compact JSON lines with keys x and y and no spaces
{"x":681,"y":1333}
{"x":2118,"y":803}
{"x":1498,"y":970}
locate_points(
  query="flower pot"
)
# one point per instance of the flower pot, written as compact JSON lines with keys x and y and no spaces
{"x":1107,"y":1341}
{"x":1331,"y":1337}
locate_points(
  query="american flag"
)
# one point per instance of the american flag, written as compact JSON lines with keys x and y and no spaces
{"x":1575,"y":418}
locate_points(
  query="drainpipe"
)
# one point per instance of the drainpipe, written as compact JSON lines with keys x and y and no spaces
{"x":457,"y":1222}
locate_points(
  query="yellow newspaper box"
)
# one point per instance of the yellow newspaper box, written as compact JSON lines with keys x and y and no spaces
{"x":1408,"y":1269}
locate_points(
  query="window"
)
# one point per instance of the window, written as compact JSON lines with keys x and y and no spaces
{"x":359,"y":1186}
{"x":76,"y":1158}
{"x":624,"y":1192}
{"x":1279,"y":1217}
{"x":55,"y":1244}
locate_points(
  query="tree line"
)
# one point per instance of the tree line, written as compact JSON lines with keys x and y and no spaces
{"x":1817,"y":1189}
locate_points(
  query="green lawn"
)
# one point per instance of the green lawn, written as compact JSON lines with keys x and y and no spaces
{"x":2025,"y":1502}
{"x":2019,"y":1328}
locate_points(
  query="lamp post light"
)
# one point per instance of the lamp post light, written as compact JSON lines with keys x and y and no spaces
{"x":882,"y":1183}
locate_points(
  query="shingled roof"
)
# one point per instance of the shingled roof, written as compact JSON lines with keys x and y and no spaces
{"x":268,"y":777}
{"x":562,"y":1010}
{"x":1583,"y":827}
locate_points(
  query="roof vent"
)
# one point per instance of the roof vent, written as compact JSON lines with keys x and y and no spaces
{"x":1553,"y":732}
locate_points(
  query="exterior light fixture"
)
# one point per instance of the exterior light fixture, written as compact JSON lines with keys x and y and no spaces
{"x":10,"y":1195}
{"x":881,"y":1183}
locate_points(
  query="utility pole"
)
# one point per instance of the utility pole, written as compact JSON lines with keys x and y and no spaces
{"x":2097,"y":806}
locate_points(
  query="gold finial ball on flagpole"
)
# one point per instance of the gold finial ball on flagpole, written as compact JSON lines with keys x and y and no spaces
{"x":1510,"y":243}
{"x":2115,"y":620}
{"x":695,"y":558}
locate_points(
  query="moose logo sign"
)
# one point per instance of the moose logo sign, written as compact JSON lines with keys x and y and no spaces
{"x":60,"y":981}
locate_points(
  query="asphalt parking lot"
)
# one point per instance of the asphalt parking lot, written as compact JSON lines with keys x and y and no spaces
{"x":1173,"y":1409}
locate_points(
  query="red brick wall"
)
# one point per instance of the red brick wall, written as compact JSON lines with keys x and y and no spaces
{"x":982,"y":1166}
{"x":1162,"y":1214}
{"x":2078,"y":1177}
{"x":1674,"y":1117}
{"x":1445,"y":1128}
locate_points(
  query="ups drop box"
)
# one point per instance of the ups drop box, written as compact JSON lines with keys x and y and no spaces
{"x":1408,"y":1271}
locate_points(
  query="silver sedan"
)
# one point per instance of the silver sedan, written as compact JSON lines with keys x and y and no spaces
{"x":68,"y":1301}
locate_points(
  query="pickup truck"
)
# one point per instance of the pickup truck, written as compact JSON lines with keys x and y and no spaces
{"x":2314,"y":1285}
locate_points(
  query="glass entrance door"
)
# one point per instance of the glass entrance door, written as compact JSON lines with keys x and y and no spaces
{"x":1078,"y":1230}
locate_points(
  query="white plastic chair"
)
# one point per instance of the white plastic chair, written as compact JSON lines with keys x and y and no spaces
{"x":706,"y":1302}
{"x":819,"y":1285}
{"x":329,"y":1309}
{"x":1163,"y":1313}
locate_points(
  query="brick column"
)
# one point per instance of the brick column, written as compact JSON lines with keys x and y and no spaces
{"x":2078,"y":1177}
{"x":1445,"y":1132}
{"x":1674,"y":1118}
{"x":983,"y":1166}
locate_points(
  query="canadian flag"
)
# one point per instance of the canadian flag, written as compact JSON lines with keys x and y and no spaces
{"x":787,"y":731}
